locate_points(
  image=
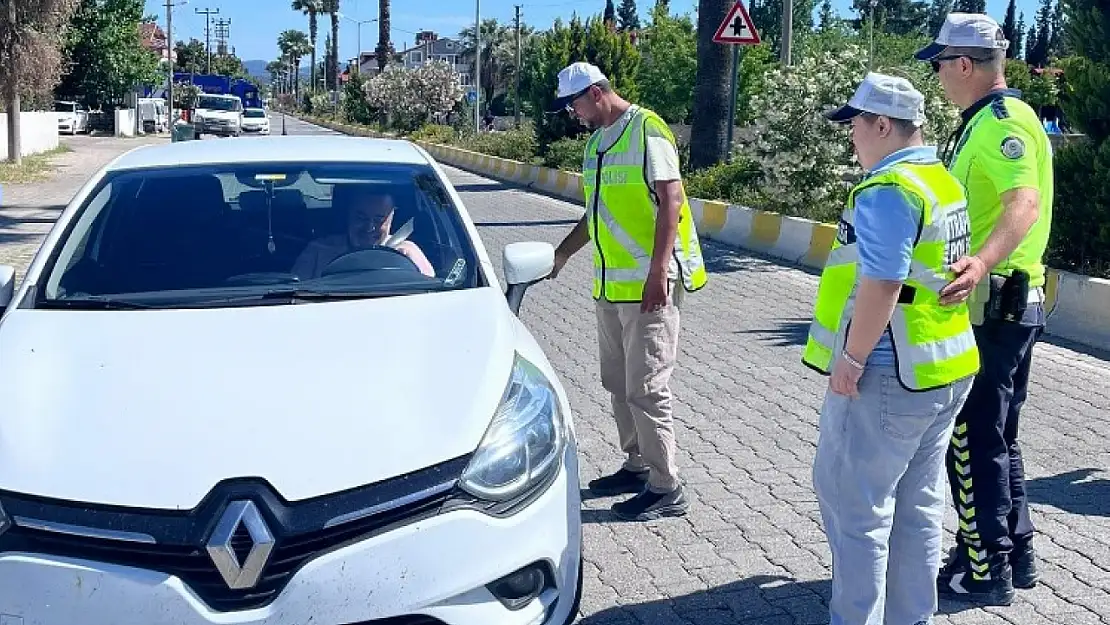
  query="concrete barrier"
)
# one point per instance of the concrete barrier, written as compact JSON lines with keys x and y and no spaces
{"x":38,"y":132}
{"x":1078,"y":306}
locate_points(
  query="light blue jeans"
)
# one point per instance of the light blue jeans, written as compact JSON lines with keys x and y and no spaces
{"x":880,"y":481}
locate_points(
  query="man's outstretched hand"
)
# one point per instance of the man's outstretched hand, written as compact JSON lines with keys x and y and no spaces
{"x":969,"y":270}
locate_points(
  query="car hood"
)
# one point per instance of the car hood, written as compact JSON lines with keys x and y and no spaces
{"x":217,"y":113}
{"x":153,"y":408}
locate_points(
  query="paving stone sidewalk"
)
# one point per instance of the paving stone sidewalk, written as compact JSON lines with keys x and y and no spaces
{"x":27,"y":211}
{"x":752,"y":549}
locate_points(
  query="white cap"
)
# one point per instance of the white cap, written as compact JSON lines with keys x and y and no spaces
{"x":880,"y":94}
{"x":573,"y":80}
{"x":965,"y":30}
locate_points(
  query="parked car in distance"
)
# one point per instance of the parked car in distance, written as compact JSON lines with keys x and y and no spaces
{"x":73,"y":117}
{"x":278,"y":382}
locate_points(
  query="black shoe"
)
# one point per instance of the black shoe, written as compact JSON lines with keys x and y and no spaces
{"x":650,"y":505}
{"x":1023,"y":560}
{"x":620,"y":483}
{"x":994,"y":585}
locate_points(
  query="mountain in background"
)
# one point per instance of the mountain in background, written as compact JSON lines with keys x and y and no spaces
{"x":257,"y":69}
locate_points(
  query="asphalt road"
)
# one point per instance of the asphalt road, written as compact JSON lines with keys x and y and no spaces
{"x":752,"y":548}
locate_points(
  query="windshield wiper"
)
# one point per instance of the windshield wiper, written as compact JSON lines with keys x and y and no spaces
{"x":311,"y":295}
{"x":92,"y":302}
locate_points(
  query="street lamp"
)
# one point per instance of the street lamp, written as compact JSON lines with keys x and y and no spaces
{"x":358,"y":63}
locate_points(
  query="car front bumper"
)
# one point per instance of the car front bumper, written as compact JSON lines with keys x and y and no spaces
{"x":436,"y":568}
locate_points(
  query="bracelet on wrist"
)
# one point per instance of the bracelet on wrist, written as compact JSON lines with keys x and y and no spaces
{"x":852,"y":361}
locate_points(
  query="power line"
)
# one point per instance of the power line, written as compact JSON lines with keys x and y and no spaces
{"x":208,"y":13}
{"x":223,"y":29}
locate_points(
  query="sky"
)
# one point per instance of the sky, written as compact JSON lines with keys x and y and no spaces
{"x":255,"y":24}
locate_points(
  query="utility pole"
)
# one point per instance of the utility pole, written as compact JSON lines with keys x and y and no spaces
{"x":222,"y":35}
{"x":15,"y":149}
{"x":208,"y":13}
{"x":169,"y":57}
{"x":516,"y":104}
{"x":787,"y":31}
{"x":477,"y":65}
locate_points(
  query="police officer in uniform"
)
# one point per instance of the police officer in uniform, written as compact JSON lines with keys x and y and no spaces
{"x":900,"y":363}
{"x":646,"y":253}
{"x":1003,"y":157}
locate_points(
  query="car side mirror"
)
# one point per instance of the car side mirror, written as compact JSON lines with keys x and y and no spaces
{"x":7,"y":286}
{"x":525,"y":264}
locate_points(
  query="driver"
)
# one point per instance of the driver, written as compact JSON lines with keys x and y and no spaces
{"x":369,"y":218}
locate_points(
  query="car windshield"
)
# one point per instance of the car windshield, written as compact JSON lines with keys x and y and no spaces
{"x":64,"y":107}
{"x":219,"y":104}
{"x":258,"y":234}
{"x":254,"y":113}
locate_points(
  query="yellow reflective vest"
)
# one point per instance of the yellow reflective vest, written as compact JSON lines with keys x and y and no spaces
{"x":934,"y":345}
{"x":621,"y":212}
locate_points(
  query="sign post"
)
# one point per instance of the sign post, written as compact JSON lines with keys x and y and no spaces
{"x":736,"y":30}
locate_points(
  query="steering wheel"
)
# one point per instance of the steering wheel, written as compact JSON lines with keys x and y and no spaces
{"x":373,"y":258}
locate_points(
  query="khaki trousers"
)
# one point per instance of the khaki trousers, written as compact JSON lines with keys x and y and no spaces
{"x":638,"y":353}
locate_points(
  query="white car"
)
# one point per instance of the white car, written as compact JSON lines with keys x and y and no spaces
{"x":256,"y":121}
{"x":72,"y":117}
{"x":201,"y":426}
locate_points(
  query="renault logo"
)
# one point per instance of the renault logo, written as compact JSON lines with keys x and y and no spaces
{"x":245,"y":574}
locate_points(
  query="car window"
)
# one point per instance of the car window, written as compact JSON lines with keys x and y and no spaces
{"x":239,"y":234}
{"x":219,"y":104}
{"x":64,"y":107}
{"x":254,"y":113}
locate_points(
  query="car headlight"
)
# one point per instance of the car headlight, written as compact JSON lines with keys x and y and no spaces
{"x":5,"y":522}
{"x":524,"y":443}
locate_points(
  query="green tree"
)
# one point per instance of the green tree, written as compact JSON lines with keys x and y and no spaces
{"x":767,"y":17}
{"x":938,"y":10}
{"x":899,"y":17}
{"x":1017,"y":44}
{"x":971,"y":6}
{"x":827,"y":17}
{"x":228,"y":65}
{"x":190,"y":56}
{"x":563,"y":44}
{"x":610,"y":18}
{"x":331,"y":7}
{"x":293,"y":45}
{"x":669,"y":66}
{"x":1010,"y":30}
{"x":628,"y":16}
{"x":105,"y":53}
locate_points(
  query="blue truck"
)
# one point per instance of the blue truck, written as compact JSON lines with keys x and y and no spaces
{"x":214,"y":83}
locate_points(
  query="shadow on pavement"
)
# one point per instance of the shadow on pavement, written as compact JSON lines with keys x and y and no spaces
{"x":511,"y":224}
{"x":1087,"y":350}
{"x":789,"y":333}
{"x":480,"y":187}
{"x":7,"y":238}
{"x":762,"y":599}
{"x":1073,"y":492}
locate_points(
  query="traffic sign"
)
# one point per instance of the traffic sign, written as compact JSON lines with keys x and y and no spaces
{"x":737,"y":27}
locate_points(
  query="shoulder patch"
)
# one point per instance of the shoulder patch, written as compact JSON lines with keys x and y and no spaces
{"x":1013,"y":148}
{"x":998,"y":107}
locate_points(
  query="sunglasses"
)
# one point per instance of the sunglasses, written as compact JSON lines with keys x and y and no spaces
{"x":936,"y":62}
{"x":570,"y":103}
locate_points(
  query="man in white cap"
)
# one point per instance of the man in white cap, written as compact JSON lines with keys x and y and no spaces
{"x":900,"y":364}
{"x":1002,"y":155}
{"x":646,"y":253}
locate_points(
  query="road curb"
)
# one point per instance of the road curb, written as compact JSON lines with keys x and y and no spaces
{"x":1078,"y":306}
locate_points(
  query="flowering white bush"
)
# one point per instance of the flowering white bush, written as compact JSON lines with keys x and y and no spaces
{"x":804,"y":159}
{"x":412,"y":96}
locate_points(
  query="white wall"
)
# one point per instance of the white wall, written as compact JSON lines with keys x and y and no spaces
{"x":125,"y":122}
{"x":38,"y":133}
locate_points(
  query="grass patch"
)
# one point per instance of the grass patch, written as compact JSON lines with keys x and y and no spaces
{"x":34,"y":168}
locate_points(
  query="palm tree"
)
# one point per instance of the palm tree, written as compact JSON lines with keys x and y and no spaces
{"x":708,"y":133}
{"x":311,"y":8}
{"x":331,"y":7}
{"x":384,"y":50}
{"x":498,"y":54}
{"x":294,"y":44}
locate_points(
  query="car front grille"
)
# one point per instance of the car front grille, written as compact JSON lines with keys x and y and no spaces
{"x":188,"y":559}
